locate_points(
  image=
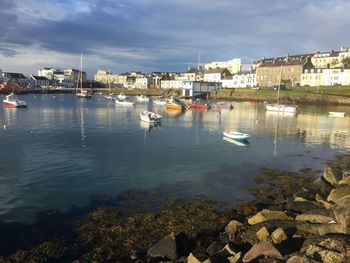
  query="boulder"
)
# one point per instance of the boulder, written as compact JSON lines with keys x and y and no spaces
{"x":214,"y":248}
{"x":266,"y":215}
{"x":323,"y":202}
{"x":232,"y":228}
{"x":278,"y":236}
{"x":246,"y":209}
{"x":265,"y":249}
{"x":195,"y":259}
{"x":344,"y":181}
{"x":342,"y":213}
{"x":305,"y":229}
{"x":328,"y":249}
{"x":297,"y":259}
{"x":332,"y":175}
{"x":338,"y":193}
{"x":235,"y":258}
{"x":317,"y":216}
{"x":302,"y":207}
{"x":263,"y":234}
{"x":323,"y":187}
{"x":226,"y":252}
{"x":164,"y":248}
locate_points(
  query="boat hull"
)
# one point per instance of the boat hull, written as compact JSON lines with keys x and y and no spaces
{"x":236,"y":135}
{"x":11,"y":104}
{"x":281,"y":108}
{"x":124,"y":103}
{"x":150,"y":117}
{"x":172,"y":106}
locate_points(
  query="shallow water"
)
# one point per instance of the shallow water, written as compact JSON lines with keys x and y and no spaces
{"x":61,"y":150}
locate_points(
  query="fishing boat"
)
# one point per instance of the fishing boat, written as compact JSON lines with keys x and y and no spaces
{"x":236,"y":135}
{"x":142,"y":98}
{"x":80,"y":92}
{"x":159,"y":101}
{"x":12,"y":101}
{"x":151,"y":117}
{"x":124,"y":102}
{"x":336,"y":114}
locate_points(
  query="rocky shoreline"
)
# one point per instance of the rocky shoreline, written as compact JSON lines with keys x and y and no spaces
{"x":294,"y":217}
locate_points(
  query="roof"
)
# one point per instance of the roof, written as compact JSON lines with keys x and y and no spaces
{"x":14,"y":75}
{"x":192,"y":70}
{"x":39,"y":78}
{"x":284,"y":62}
{"x":303,"y":56}
{"x":216,"y":70}
{"x":245,"y":72}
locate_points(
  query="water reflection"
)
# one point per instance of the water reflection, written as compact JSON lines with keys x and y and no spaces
{"x":240,"y":143}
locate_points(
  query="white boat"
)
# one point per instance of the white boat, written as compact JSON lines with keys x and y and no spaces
{"x":241,"y":143}
{"x":122,"y":96}
{"x":12,"y":101}
{"x":124,"y":102}
{"x":236,"y":135}
{"x":159,"y":101}
{"x":151,"y":117}
{"x":80,"y":92}
{"x":280,"y":107}
{"x":110,"y":97}
{"x":142,"y":98}
{"x":336,"y":114}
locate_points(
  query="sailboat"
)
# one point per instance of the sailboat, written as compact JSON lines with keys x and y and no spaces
{"x":110,"y":95}
{"x":279,"y":106}
{"x":80,"y":92}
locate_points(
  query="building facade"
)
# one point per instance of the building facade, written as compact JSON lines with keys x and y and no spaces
{"x":217,"y":75}
{"x":74,"y":75}
{"x":286,"y":71}
{"x":193,"y":88}
{"x":233,"y":65}
{"x":311,"y":77}
{"x":18,"y":78}
{"x":171,"y":84}
{"x":39,"y":82}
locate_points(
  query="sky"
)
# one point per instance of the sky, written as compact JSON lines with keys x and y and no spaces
{"x":164,"y":35}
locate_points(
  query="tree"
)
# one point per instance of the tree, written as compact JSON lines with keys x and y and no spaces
{"x":346,"y":62}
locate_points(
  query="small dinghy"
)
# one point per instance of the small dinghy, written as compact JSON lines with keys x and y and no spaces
{"x":150,"y":117}
{"x":236,"y":135}
{"x":142,"y":98}
{"x":124,"y":102}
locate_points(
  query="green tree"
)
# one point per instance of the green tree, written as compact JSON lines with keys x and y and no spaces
{"x":346,"y":62}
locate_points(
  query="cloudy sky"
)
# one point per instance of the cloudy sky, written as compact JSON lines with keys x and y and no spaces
{"x":164,"y":35}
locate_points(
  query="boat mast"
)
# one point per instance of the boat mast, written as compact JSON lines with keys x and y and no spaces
{"x":279,"y":85}
{"x":81,"y":72}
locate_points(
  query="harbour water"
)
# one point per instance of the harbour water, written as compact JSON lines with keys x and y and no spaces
{"x":61,"y":150}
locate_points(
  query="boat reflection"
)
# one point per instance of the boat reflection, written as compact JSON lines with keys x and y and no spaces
{"x":280,"y":114}
{"x":173,"y":112}
{"x":240,"y":143}
{"x":149,"y":126}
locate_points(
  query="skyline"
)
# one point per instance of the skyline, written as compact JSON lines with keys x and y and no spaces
{"x":149,"y":35}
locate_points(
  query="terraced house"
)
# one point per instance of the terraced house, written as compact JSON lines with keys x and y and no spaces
{"x":283,"y":70}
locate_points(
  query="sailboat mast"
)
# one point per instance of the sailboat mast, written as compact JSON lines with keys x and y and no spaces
{"x":81,"y":71}
{"x":279,"y":85}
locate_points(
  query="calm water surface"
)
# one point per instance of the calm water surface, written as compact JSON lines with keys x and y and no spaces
{"x":61,"y":150}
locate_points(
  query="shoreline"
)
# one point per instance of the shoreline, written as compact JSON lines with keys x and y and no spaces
{"x":294,"y":217}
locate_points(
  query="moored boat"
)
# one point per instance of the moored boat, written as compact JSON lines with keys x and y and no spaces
{"x":236,"y":135}
{"x":151,"y":117}
{"x":175,"y":104}
{"x":142,"y":98}
{"x":159,"y":101}
{"x":281,"y":107}
{"x":12,"y":101}
{"x":336,"y":114}
{"x":122,"y":96}
{"x":110,"y":97}
{"x":80,"y":91}
{"x":244,"y":143}
{"x":199,"y":105}
{"x":124,"y":102}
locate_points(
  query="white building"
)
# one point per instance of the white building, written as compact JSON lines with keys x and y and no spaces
{"x":142,"y":82}
{"x":335,"y":76}
{"x":217,"y":75}
{"x":311,"y":77}
{"x":171,"y":84}
{"x":244,"y":79}
{"x":48,"y":72}
{"x":192,"y":88}
{"x":233,"y":65}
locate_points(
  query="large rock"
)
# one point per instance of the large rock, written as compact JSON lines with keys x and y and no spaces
{"x":305,"y":229}
{"x":317,"y":216}
{"x":323,"y":202}
{"x":342,"y":213}
{"x":302,"y":207}
{"x":344,"y":181}
{"x":164,"y":248}
{"x":322,"y":187}
{"x":246,"y":209}
{"x":332,"y":175}
{"x":266,"y":215}
{"x":232,"y":228}
{"x":338,"y":193}
{"x":263,"y":234}
{"x":297,"y":259}
{"x":195,"y":258}
{"x":265,"y":249}
{"x":278,"y":236}
{"x":328,"y":249}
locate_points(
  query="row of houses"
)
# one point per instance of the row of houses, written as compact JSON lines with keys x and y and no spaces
{"x":46,"y":77}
